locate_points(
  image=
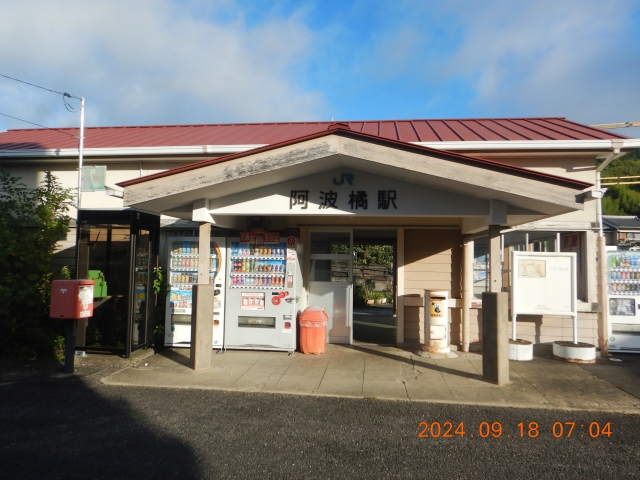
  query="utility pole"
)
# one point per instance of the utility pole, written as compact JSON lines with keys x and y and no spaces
{"x":80,"y":155}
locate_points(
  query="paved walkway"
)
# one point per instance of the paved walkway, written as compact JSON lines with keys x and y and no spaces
{"x":388,"y":373}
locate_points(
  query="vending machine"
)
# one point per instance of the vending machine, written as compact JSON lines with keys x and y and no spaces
{"x":182,"y":274}
{"x":623,"y":295}
{"x":264,"y":285}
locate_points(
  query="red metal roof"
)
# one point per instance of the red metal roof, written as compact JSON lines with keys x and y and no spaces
{"x":447,"y":130}
{"x":343,"y":129}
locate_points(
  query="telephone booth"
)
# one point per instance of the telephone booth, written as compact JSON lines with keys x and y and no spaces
{"x":118,"y":249}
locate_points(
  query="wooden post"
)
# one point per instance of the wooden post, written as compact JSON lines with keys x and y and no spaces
{"x":202,"y":306}
{"x":495,"y":311}
{"x":495,"y":338}
{"x":202,"y":327}
{"x":603,"y":313}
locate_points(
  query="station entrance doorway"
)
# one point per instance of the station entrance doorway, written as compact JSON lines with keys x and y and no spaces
{"x":352,"y":275}
{"x":374,"y":291}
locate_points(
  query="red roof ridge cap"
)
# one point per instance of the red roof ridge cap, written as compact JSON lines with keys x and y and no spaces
{"x":175,"y":125}
{"x":338,"y":126}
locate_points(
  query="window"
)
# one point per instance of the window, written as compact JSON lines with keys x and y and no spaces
{"x":480,"y":266}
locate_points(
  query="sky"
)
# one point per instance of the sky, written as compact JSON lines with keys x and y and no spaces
{"x":154,"y":62}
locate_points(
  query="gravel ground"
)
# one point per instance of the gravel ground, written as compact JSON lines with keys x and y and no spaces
{"x":55,"y":426}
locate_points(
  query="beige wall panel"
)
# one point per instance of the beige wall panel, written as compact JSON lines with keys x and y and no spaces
{"x":422,"y":267}
{"x":413,"y":320}
{"x":539,"y":329}
{"x":579,"y":167}
{"x":575,"y":167}
{"x":412,"y":337}
{"x":420,"y":287}
{"x":413,"y":325}
{"x":412,"y":277}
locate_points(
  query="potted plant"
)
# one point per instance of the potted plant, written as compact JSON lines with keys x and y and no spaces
{"x":160,"y":288}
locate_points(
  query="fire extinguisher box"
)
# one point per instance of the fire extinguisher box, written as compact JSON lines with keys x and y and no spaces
{"x":71,"y":299}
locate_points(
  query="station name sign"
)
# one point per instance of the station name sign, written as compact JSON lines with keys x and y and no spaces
{"x":259,"y":237}
{"x":356,"y":200}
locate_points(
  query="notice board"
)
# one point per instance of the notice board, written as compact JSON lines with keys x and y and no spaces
{"x":543,"y":283}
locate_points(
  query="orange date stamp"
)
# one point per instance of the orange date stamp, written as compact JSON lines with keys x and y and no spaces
{"x":521,"y":430}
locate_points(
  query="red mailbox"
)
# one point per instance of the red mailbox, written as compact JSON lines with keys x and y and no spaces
{"x":71,"y":299}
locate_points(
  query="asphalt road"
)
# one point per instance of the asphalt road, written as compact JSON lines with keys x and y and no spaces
{"x":79,"y":428}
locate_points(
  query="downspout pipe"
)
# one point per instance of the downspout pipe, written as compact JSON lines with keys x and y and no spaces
{"x":614,"y":155}
{"x":603,"y":315}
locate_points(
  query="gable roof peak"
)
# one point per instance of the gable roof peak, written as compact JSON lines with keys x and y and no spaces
{"x":338,"y":126}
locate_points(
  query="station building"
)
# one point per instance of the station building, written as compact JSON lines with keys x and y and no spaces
{"x":436,"y":191}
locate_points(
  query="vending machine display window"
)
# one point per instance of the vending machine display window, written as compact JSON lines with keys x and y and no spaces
{"x":183,"y":274}
{"x":264,"y":286}
{"x":623,"y":288}
{"x":623,"y":273}
{"x":261,"y":267}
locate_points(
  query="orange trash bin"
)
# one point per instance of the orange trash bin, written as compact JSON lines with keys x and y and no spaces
{"x":313,"y":330}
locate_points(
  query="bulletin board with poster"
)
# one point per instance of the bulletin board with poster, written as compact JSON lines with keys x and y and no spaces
{"x":543,"y":283}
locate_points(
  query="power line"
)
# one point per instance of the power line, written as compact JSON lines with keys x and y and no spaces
{"x":38,"y":125}
{"x":64,"y":94}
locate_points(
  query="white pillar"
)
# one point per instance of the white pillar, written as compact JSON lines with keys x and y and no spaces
{"x":400,"y":286}
{"x":467,"y":290}
{"x":204,"y":242}
{"x":495,"y":267}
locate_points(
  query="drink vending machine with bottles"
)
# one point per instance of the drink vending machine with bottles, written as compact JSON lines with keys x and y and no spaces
{"x":182,"y":274}
{"x":623,"y":295}
{"x":264,"y":283}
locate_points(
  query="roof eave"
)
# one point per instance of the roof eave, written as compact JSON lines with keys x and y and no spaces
{"x":482,"y":145}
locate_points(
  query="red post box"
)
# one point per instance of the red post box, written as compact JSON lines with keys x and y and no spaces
{"x":71,"y":299}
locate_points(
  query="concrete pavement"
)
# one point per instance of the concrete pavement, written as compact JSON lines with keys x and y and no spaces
{"x":364,"y":371}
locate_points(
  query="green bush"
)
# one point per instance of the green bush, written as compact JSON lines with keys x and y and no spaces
{"x":31,"y":223}
{"x":160,"y":288}
{"x":360,"y":296}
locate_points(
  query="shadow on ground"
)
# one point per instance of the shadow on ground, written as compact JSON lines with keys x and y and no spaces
{"x":56,"y":426}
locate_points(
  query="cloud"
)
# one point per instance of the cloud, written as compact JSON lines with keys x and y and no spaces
{"x":575,"y":57}
{"x":153,"y":62}
{"x":198,"y":61}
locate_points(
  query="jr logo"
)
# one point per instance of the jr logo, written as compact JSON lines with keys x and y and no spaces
{"x":345,"y":176}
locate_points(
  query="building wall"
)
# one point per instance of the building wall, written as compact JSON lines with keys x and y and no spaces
{"x":432,"y":260}
{"x":432,"y":256}
{"x":576,"y":167}
{"x":32,"y":173}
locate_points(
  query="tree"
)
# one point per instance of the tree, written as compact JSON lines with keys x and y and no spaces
{"x":31,"y":223}
{"x":374,"y":254}
{"x":622,"y":199}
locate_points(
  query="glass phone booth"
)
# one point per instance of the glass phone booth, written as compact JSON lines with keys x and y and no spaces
{"x":119,"y":250}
